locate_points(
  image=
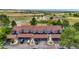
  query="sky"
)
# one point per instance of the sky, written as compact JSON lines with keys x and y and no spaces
{"x":39,"y":4}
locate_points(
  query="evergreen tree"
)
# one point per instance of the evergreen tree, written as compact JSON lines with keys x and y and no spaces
{"x":13,"y":23}
{"x":33,"y":21}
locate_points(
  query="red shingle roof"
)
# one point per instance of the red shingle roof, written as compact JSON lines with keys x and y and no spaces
{"x":36,"y":28}
{"x":34,"y":36}
{"x":30,"y":27}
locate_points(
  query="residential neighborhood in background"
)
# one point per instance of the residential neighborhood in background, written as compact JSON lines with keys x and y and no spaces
{"x":39,"y":29}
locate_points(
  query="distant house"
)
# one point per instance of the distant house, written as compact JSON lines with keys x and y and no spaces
{"x":56,"y":18}
{"x":24,"y":33}
{"x":44,"y":18}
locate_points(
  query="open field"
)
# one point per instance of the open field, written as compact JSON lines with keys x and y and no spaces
{"x":17,"y":16}
{"x":20,"y":16}
{"x":72,"y":20}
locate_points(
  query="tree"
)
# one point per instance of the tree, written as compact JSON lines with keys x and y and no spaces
{"x":65,"y":23}
{"x":6,"y":30}
{"x":63,"y":16}
{"x":3,"y":35}
{"x":54,"y":22}
{"x":70,"y":14}
{"x":67,"y":37}
{"x":2,"y":39}
{"x":76,"y":14}
{"x":54,"y":14}
{"x":13,"y":23}
{"x":51,"y":17}
{"x":43,"y":22}
{"x":33,"y":21}
{"x":76,"y":39}
{"x":76,"y":25}
{"x":59,"y":22}
{"x":4,"y":20}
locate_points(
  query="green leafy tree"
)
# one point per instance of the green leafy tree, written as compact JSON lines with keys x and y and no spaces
{"x":33,"y":21}
{"x":70,"y":14}
{"x":2,"y":39}
{"x":54,"y":14}
{"x":59,"y":22}
{"x":51,"y":17}
{"x":63,"y":16}
{"x":6,"y":30}
{"x":65,"y":23}
{"x":4,"y":20}
{"x":76,"y":14}
{"x":67,"y":37}
{"x":70,"y":38}
{"x":13,"y":23}
{"x":76,"y":39}
{"x":3,"y":35}
{"x":76,"y":25}
{"x":43,"y":22}
{"x":54,"y":22}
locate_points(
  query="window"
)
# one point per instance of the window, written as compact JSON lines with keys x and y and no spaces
{"x":55,"y":31}
{"x":15,"y":32}
{"x":21,"y":31}
{"x":26,"y":31}
{"x":40,"y":31}
{"x":48,"y":31}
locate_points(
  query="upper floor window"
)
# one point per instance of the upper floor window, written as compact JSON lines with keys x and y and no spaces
{"x":15,"y":32}
{"x":40,"y":31}
{"x":55,"y":31}
{"x":48,"y":31}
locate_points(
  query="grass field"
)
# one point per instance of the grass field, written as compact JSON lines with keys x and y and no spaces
{"x":72,"y":20}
